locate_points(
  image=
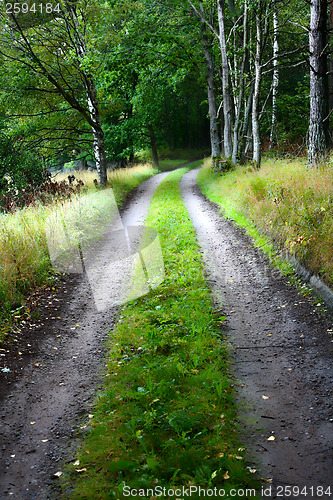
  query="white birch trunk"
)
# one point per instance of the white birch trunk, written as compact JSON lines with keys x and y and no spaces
{"x":98,"y":134}
{"x":92,"y":102}
{"x":227,"y":100}
{"x":256,"y":92}
{"x":235,"y":150}
{"x":276,"y":74}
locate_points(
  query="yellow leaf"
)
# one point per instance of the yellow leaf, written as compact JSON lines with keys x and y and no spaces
{"x":265,"y":397}
{"x":226,"y":475}
{"x":271,"y":438}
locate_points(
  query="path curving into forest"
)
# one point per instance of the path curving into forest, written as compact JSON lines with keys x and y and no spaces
{"x":282,"y":354}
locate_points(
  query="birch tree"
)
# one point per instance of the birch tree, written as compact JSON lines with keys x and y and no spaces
{"x":226,"y":91}
{"x":261,"y":27}
{"x":276,"y":74}
{"x":55,"y":52}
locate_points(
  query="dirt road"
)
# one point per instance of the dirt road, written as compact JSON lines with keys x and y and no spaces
{"x":282,"y":354}
{"x":282,"y":358}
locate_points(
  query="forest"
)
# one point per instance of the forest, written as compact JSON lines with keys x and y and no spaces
{"x":101,"y":81}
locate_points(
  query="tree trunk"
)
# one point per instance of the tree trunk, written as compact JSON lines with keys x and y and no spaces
{"x":227,"y":103}
{"x":214,"y":133}
{"x":239,"y":106}
{"x":331,"y":61}
{"x":246,"y":129}
{"x":273,"y":140}
{"x":256,"y":92}
{"x":153,"y":146}
{"x":98,"y":134}
{"x":318,"y":125}
{"x":95,"y":118}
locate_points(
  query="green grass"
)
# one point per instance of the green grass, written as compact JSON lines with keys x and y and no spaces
{"x":24,"y":259}
{"x":283,"y":205}
{"x":165,"y":415}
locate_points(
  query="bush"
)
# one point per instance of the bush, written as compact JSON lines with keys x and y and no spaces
{"x":20,"y":170}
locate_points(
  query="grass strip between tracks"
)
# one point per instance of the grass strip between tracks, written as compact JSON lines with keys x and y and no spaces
{"x":165,"y":417}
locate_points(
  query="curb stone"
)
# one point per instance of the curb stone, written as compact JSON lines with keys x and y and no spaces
{"x":324,"y":291}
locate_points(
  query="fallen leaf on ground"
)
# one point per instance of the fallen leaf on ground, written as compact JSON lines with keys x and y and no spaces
{"x":271,"y":438}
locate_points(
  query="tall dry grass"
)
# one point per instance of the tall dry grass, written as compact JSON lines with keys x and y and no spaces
{"x":291,"y":204}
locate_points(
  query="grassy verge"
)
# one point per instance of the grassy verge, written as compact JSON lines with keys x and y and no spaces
{"x":24,"y":259}
{"x":165,"y":417}
{"x":283,"y":205}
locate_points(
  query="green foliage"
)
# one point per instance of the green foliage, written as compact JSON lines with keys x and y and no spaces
{"x":166,"y":414}
{"x":19,"y":169}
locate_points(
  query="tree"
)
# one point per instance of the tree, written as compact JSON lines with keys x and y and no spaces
{"x":276,"y":75}
{"x":59,"y":56}
{"x":319,"y":123}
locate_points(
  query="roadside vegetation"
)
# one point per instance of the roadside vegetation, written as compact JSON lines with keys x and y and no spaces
{"x":290,"y":204}
{"x":165,"y":416}
{"x":24,"y":258}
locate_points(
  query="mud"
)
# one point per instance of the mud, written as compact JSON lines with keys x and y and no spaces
{"x":282,"y":355}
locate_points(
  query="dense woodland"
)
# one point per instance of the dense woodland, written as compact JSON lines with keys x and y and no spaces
{"x":102,"y":80}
